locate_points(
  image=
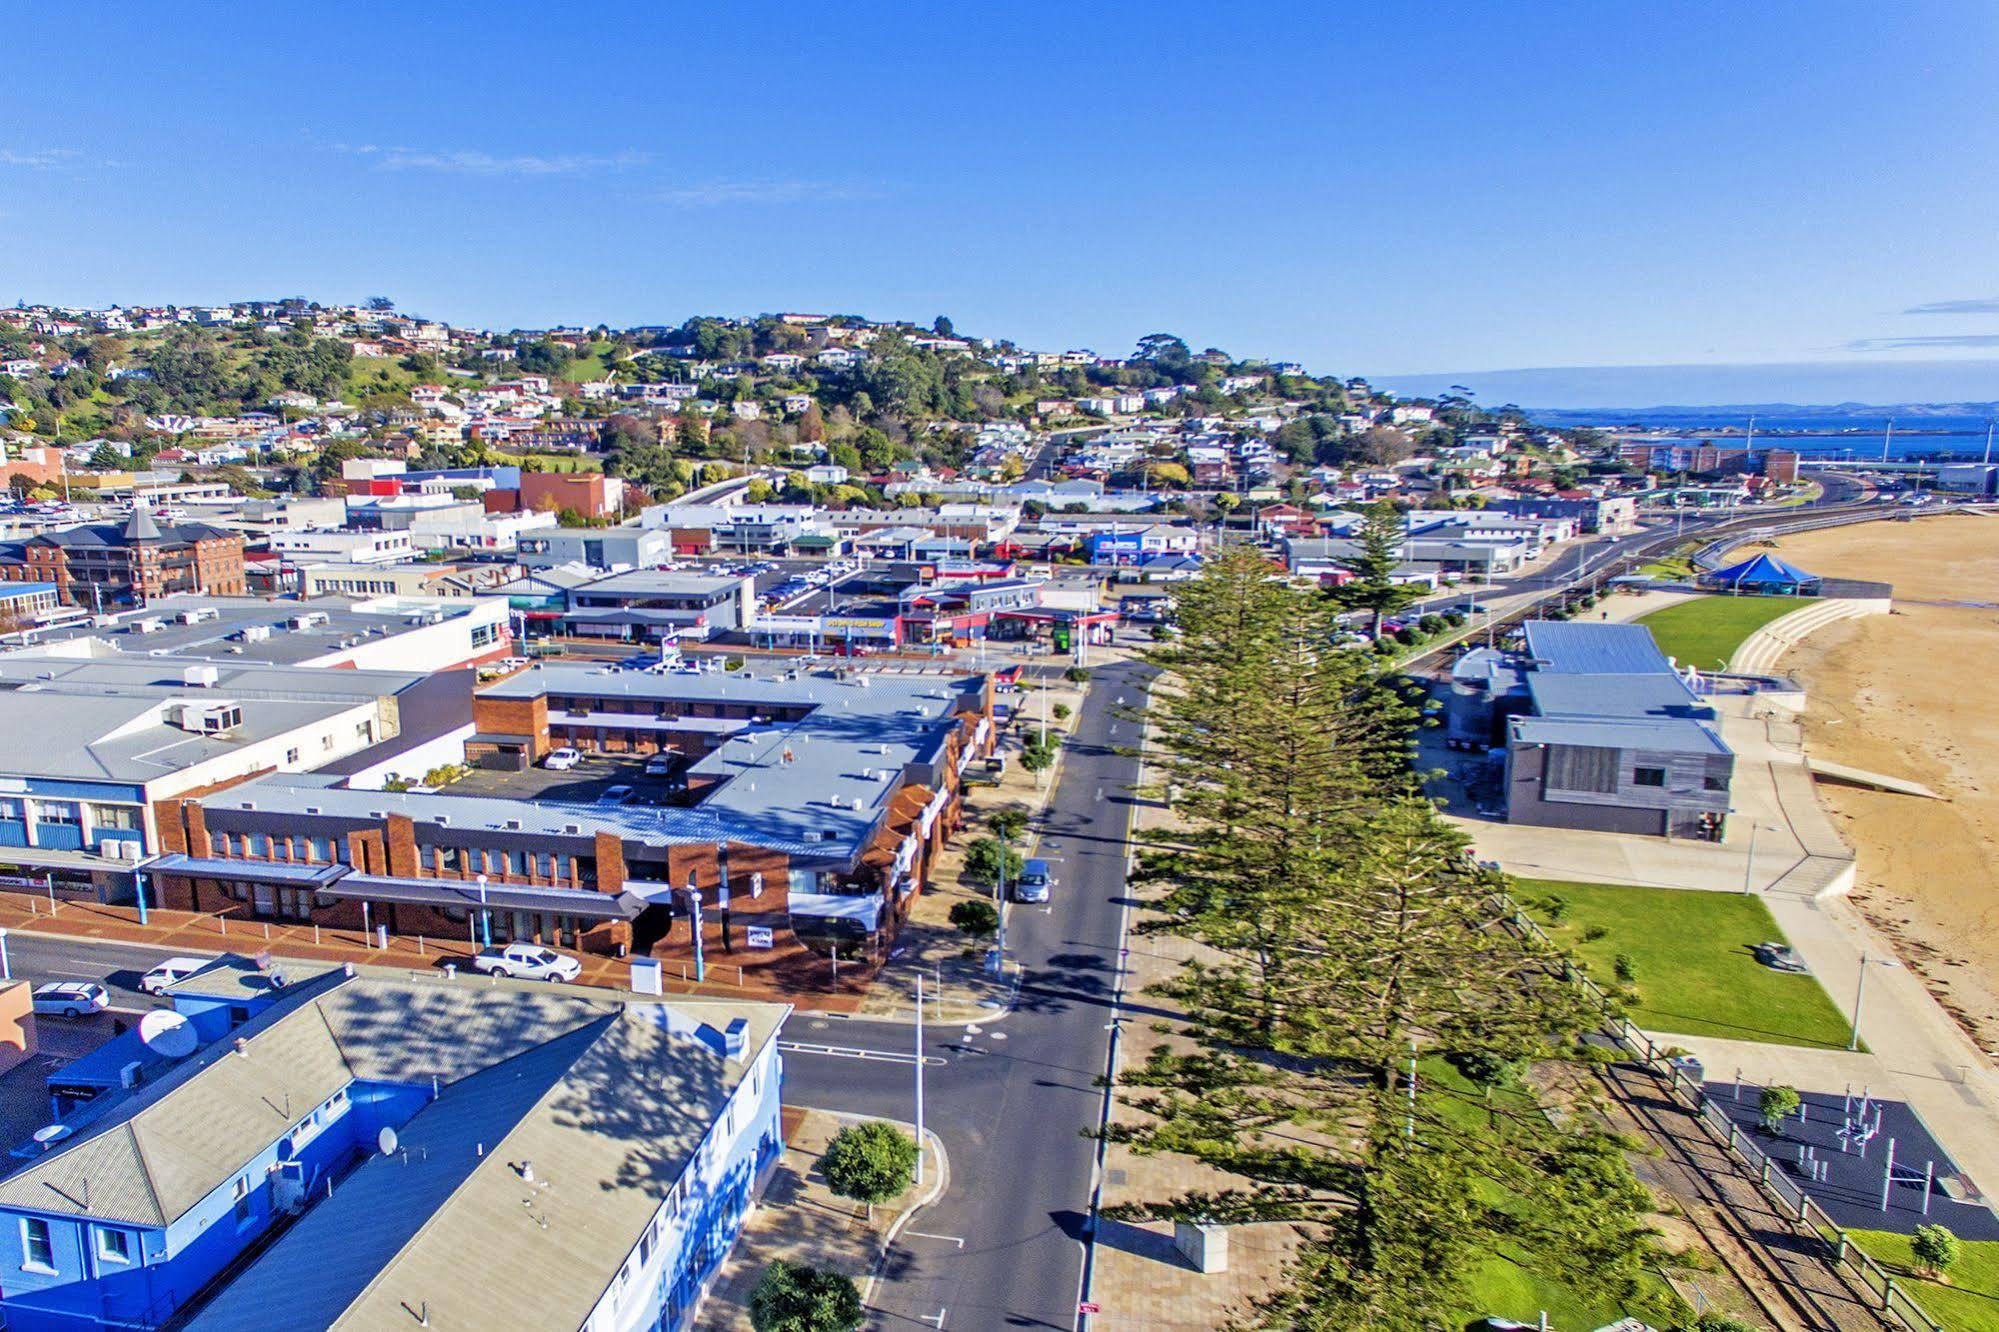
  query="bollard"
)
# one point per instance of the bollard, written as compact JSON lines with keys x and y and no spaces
{"x":315,"y":935}
{"x":267,"y":930}
{"x":1888,"y":1293}
{"x":419,"y":945}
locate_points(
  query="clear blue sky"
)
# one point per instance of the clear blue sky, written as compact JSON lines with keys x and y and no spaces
{"x":1368,"y":187}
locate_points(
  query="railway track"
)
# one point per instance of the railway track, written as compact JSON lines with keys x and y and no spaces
{"x":1783,"y":1265}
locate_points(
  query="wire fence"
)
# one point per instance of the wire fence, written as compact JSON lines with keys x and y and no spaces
{"x":1790,"y":1198}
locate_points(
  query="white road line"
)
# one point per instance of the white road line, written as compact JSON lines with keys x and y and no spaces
{"x":855,"y":1052}
{"x":924,"y":1234}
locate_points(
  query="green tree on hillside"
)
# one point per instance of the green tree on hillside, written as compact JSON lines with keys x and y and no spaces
{"x":1373,"y":586}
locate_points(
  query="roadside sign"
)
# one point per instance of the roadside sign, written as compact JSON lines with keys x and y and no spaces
{"x":1088,"y":1306}
{"x":760,"y":936}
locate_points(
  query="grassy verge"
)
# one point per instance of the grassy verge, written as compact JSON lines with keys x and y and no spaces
{"x":1505,"y":1283}
{"x":1690,"y":958}
{"x":1705,"y":632}
{"x":1969,"y":1303}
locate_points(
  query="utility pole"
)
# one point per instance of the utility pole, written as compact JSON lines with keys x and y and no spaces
{"x":919,"y":1079}
{"x":1988,"y":440}
{"x":1749,"y":869}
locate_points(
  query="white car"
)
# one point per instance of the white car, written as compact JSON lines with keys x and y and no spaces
{"x":526,"y":961}
{"x":561,"y":760}
{"x":172,"y":972}
{"x":660,"y":765}
{"x":71,"y":998}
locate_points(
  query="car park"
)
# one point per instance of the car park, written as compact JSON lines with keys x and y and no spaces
{"x":172,"y":972}
{"x":561,"y":760}
{"x":526,"y":961}
{"x":616,"y":795}
{"x":71,"y":998}
{"x":660,"y":765}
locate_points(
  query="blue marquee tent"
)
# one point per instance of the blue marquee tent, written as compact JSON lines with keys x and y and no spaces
{"x":1764,"y":575}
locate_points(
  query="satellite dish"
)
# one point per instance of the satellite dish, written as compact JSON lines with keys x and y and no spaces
{"x":168,"y":1034}
{"x":386,"y":1140}
{"x":50,"y":1134}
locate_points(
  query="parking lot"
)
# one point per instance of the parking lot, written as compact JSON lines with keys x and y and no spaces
{"x":584,"y":784}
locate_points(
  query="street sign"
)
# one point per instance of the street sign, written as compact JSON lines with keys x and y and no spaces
{"x":760,"y":936}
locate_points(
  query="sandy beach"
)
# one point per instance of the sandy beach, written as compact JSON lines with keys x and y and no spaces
{"x":1909,"y":694}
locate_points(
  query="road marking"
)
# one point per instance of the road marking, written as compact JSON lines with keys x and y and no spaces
{"x":924,"y":1234}
{"x":937,"y":1318}
{"x":855,"y":1052}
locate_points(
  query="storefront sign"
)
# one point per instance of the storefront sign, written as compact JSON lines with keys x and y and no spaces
{"x":760,"y":936}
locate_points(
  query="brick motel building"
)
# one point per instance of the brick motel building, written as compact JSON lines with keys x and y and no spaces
{"x":793,"y":812}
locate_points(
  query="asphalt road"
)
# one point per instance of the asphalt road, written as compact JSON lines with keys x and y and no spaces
{"x":37,"y":958}
{"x":1011,"y":1101}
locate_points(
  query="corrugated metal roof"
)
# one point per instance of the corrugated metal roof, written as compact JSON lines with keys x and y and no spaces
{"x":1594,"y":649}
{"x":1670,"y":735}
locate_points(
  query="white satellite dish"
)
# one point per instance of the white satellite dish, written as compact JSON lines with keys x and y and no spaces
{"x":386,"y":1140}
{"x":50,"y":1134}
{"x":168,"y":1034}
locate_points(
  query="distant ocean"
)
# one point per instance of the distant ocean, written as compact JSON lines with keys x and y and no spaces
{"x":1915,"y":437}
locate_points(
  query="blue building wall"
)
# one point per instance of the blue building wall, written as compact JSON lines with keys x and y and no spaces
{"x":189,"y":1253}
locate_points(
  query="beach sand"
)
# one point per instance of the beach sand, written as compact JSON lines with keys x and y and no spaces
{"x":1911,"y":694}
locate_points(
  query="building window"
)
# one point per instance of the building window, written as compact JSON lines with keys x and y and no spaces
{"x":124,"y":818}
{"x":1714,"y":783}
{"x":322,"y":848}
{"x":10,"y":810}
{"x":38,"y":1253}
{"x":1648,"y":776}
{"x":485,"y":635}
{"x":114,"y":1246}
{"x":242,"y":1200}
{"x":291,"y":756}
{"x":447,"y":859}
{"x":55,"y":811}
{"x":257,"y":846}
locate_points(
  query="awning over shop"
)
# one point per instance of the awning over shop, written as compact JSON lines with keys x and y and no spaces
{"x":287,"y":873}
{"x":505,"y":897}
{"x":866,"y":910}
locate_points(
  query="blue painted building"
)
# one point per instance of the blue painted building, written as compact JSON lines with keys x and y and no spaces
{"x":553,"y":1157}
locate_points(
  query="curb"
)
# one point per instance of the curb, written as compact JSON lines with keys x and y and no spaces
{"x":940,"y":1182}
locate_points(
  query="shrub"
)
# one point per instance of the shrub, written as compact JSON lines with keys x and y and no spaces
{"x":870,"y":1162}
{"x":1061,"y":711}
{"x":1007,"y":824}
{"x":1625,"y":969}
{"x":1935,"y":1248}
{"x":1592,"y":933}
{"x":1485,"y":1068}
{"x":1774,"y":1104}
{"x":988,"y":857}
{"x":1406,"y":636}
{"x":975,"y":916}
{"x":1431,"y":624}
{"x":1077,"y":675}
{"x":792,"y":1297}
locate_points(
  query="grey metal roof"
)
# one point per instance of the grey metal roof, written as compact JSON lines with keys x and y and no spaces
{"x":1664,"y":695}
{"x":217,"y":638}
{"x":661,"y":582}
{"x":1667,"y":734}
{"x":1594,"y":649}
{"x":605,"y":1093}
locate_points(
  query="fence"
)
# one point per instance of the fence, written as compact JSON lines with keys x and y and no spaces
{"x":1726,"y":1134}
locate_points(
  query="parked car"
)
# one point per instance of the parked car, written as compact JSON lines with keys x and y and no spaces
{"x":71,"y":998}
{"x":660,"y":765}
{"x":1034,"y":882}
{"x":561,"y":760}
{"x":172,"y":972}
{"x":1779,"y":957}
{"x":525,"y":961}
{"x":616,"y":795}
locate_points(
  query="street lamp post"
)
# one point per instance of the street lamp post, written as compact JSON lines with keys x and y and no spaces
{"x":1749,"y":869}
{"x":485,"y":917}
{"x":1859,"y":995}
{"x":919,"y":1079}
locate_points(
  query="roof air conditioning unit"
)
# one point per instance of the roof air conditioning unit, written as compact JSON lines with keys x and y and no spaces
{"x":201,"y":677}
{"x":573,"y":829}
{"x":513,"y":825}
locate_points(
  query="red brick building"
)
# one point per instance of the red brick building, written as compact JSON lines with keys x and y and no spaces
{"x":106,"y":565}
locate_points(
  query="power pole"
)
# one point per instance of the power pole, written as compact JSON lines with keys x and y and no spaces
{"x":919,"y":1079}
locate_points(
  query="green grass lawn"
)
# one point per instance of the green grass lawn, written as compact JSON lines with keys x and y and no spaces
{"x":1705,"y":632}
{"x":1691,"y":956}
{"x":1502,"y":1284}
{"x":1970,"y":1303}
